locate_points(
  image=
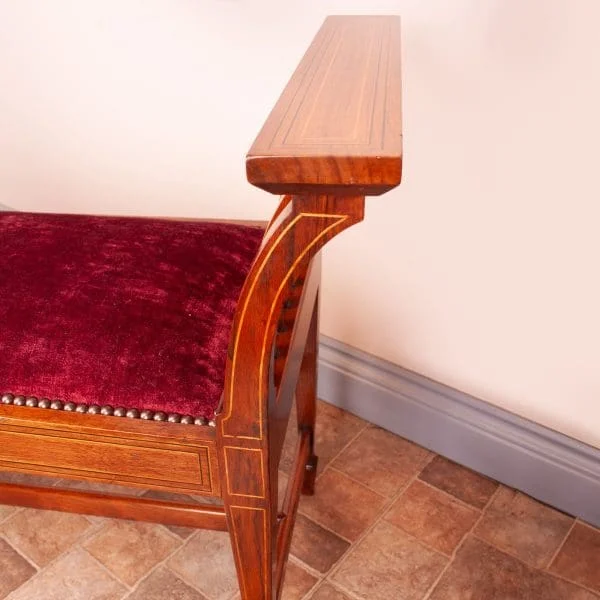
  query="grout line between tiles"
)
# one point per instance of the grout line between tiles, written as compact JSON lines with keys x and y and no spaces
{"x":452,"y":497}
{"x":306,"y":567}
{"x":107,"y":570}
{"x":575,"y":583}
{"x":95,"y":530}
{"x":388,"y":504}
{"x":429,"y":458}
{"x":22,"y":553}
{"x":15,"y":512}
{"x":352,"y":439}
{"x":345,"y":590}
{"x":560,"y":546}
{"x":327,"y":528}
{"x":319,"y":577}
{"x":562,"y":577}
{"x":459,"y":545}
{"x":76,"y":545}
{"x":72,"y":548}
{"x":183,"y":544}
{"x":388,"y":499}
{"x":511,"y":553}
{"x":24,"y":556}
{"x":358,"y":482}
{"x":99,"y":526}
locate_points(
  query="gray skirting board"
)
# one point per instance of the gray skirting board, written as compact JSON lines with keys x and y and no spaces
{"x":547,"y":465}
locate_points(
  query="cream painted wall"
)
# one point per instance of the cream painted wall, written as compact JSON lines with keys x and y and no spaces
{"x":481,"y":271}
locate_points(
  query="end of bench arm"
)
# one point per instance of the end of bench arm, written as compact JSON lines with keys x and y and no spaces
{"x":336,"y":129}
{"x":333,"y":138}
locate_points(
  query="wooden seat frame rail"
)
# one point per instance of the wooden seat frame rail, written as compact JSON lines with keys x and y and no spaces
{"x":333,"y":138}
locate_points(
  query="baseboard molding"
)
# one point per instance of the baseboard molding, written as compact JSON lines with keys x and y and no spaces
{"x":547,"y":465}
{"x":4,"y":207}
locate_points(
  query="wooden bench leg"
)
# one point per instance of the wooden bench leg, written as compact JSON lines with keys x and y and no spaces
{"x":306,"y":399}
{"x":251,"y":531}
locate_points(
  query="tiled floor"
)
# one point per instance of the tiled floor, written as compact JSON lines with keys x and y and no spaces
{"x":390,"y":521}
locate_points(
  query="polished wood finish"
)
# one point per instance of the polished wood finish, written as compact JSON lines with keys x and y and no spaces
{"x":333,"y":138}
{"x":250,"y":406}
{"x":306,"y":399}
{"x":337,"y":127}
{"x":204,"y":516}
{"x":130,"y":452}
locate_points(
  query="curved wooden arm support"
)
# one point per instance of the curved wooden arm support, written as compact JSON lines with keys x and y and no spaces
{"x":248,"y":458}
{"x":308,"y":223}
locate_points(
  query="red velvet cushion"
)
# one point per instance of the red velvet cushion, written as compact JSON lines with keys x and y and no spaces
{"x":125,"y":312}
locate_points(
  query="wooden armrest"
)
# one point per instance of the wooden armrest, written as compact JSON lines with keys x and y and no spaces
{"x":336,"y":128}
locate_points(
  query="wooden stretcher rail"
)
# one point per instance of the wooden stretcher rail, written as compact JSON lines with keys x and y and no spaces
{"x":336,"y":129}
{"x":203,"y":516}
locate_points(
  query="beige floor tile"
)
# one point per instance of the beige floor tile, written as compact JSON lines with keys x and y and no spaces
{"x":387,"y":564}
{"x":523,"y":527}
{"x":129,"y":549}
{"x":162,"y":584}
{"x":481,"y":572}
{"x":381,"y":460}
{"x":328,"y":592}
{"x":182,"y":532}
{"x":206,"y":562}
{"x":297,"y":583}
{"x":14,"y":569}
{"x":432,"y":517}
{"x":579,"y":559}
{"x":43,"y":535}
{"x":335,"y":428}
{"x":319,"y":548}
{"x":75,"y":576}
{"x":342,"y":505}
{"x":464,"y":484}
{"x":6,"y":511}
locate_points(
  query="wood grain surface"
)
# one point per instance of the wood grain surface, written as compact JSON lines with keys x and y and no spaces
{"x":337,"y":126}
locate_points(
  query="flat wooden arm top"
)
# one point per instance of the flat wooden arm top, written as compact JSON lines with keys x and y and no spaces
{"x":336,"y":129}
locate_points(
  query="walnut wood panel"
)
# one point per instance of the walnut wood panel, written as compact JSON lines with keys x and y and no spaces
{"x":64,"y":446}
{"x":185,"y":468}
{"x":337,"y":127}
{"x":245,"y":472}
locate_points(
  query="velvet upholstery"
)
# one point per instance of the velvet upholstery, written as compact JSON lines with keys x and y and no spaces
{"x":126,"y":312}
